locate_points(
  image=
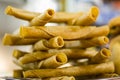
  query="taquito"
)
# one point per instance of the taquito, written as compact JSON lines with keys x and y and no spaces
{"x":84,"y":70}
{"x":116,"y":56}
{"x":87,"y":18}
{"x":18,"y":73}
{"x":43,"y":18}
{"x":53,"y":61}
{"x":114,"y":25}
{"x":10,"y":39}
{"x":71,"y":54}
{"x":35,"y":56}
{"x":85,"y":43}
{"x":102,"y":56}
{"x":76,"y":53}
{"x":52,"y":43}
{"x":17,"y":53}
{"x":66,"y":32}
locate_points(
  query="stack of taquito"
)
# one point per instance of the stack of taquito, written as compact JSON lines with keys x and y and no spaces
{"x":76,"y":49}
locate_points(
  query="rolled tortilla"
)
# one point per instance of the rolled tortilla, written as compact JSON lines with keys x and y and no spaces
{"x":84,"y":70}
{"x":10,"y":39}
{"x":18,"y":73}
{"x":101,"y":56}
{"x":66,"y":32}
{"x":71,"y":54}
{"x":27,"y":15}
{"x":53,"y":43}
{"x":35,"y":56}
{"x":61,"y":78}
{"x":43,"y":18}
{"x":85,"y":43}
{"x":17,"y":53}
{"x":114,"y":40}
{"x":75,"y":53}
{"x":53,"y":61}
{"x":116,"y":56}
{"x":87,"y":18}
{"x":114,"y":25}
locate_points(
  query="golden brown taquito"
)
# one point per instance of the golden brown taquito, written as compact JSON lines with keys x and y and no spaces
{"x":34,"y":56}
{"x":66,"y":32}
{"x":76,"y":53}
{"x":102,"y":56}
{"x":71,"y":54}
{"x":114,"y":40}
{"x":87,"y":18}
{"x":52,"y":43}
{"x":17,"y":53}
{"x":18,"y":73}
{"x":116,"y":56}
{"x":60,"y":78}
{"x":114,"y":25}
{"x":53,"y":61}
{"x":43,"y":18}
{"x":27,"y":15}
{"x":84,"y":70}
{"x":10,"y":39}
{"x":85,"y":43}
{"x":20,"y":13}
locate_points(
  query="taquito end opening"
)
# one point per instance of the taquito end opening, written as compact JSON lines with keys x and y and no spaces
{"x":57,"y":42}
{"x":8,"y":10}
{"x":15,"y":54}
{"x":7,"y":40}
{"x":61,"y":58}
{"x":23,"y":31}
{"x":105,"y":52}
{"x":60,"y":41}
{"x":104,"y":40}
{"x":50,"y":12}
{"x":94,"y":11}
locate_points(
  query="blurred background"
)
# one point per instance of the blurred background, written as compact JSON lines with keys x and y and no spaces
{"x":9,"y":24}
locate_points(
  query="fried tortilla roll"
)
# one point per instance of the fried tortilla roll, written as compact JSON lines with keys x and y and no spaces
{"x":101,"y":56}
{"x":82,"y":70}
{"x":85,"y":43}
{"x":27,"y":15}
{"x":76,"y":53}
{"x":54,"y":61}
{"x":10,"y":39}
{"x":18,"y":73}
{"x":114,"y":25}
{"x":20,"y":13}
{"x":28,"y":66}
{"x":43,"y":18}
{"x":35,"y":56}
{"x":87,"y":18}
{"x":17,"y":53}
{"x":53,"y":43}
{"x":116,"y":56}
{"x":66,"y":32}
{"x":114,"y":40}
{"x":71,"y":54}
{"x":60,"y":78}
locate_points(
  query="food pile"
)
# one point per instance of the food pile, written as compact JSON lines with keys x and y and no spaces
{"x":76,"y":43}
